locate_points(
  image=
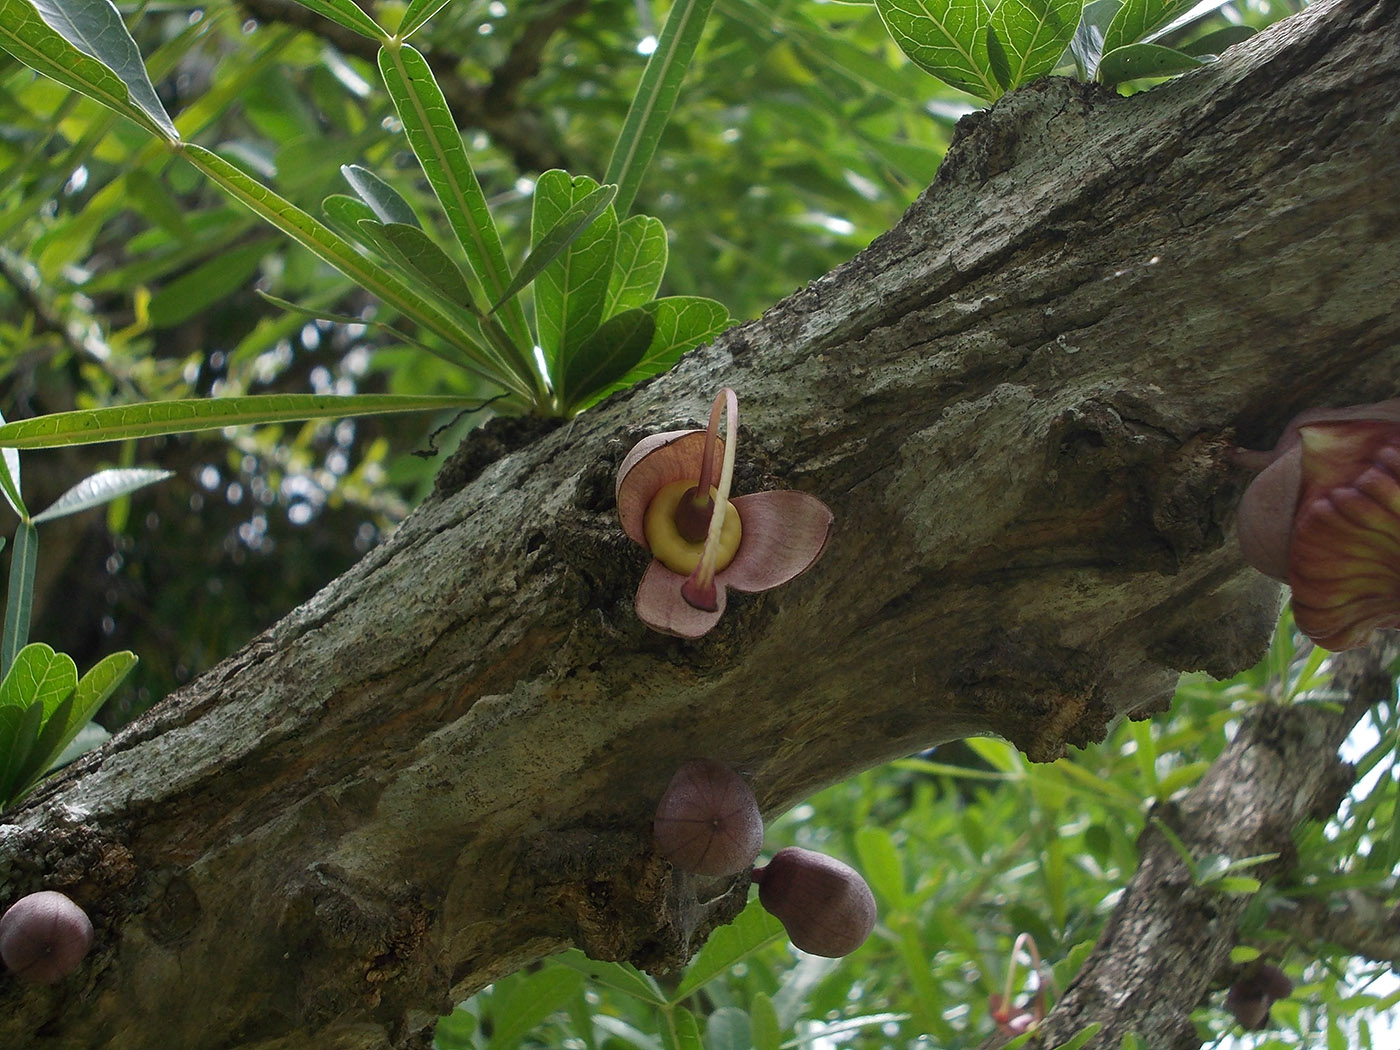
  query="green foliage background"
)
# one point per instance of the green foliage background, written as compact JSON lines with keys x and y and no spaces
{"x":800,"y":131}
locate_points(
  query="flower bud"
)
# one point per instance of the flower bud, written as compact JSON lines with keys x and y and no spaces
{"x":708,"y":821}
{"x":44,"y":936}
{"x":825,"y":906}
{"x":1250,"y":998}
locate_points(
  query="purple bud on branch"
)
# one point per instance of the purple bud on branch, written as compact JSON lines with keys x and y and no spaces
{"x":825,"y":906}
{"x":44,"y":936}
{"x":708,"y":821}
{"x":1250,"y":998}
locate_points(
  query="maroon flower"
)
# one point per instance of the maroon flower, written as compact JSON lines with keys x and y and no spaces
{"x":670,"y":502}
{"x":1324,"y":516}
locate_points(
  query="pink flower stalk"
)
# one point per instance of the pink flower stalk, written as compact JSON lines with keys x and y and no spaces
{"x":1324,"y":516}
{"x":673,"y":499}
{"x":1011,"y":1019}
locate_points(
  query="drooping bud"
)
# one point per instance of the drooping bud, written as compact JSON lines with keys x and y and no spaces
{"x":44,"y":936}
{"x":1251,"y":997}
{"x":825,"y":906}
{"x":708,"y":821}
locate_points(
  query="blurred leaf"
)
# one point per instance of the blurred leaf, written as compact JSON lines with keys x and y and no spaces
{"x":752,"y":930}
{"x":100,"y":488}
{"x":880,"y":864}
{"x":947,"y":38}
{"x":532,"y":998}
{"x":764,"y":1029}
{"x":683,"y":1032}
{"x":88,"y":426}
{"x":626,"y":979}
{"x":655,"y":98}
{"x":194,"y":292}
{"x":1215,"y":42}
{"x":386,"y":202}
{"x":727,"y":1028}
{"x":1143,"y":60}
{"x":1237,"y":884}
{"x":1081,"y":1037}
{"x":348,"y":14}
{"x":1243,"y":953}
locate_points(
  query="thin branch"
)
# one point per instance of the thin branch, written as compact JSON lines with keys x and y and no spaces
{"x":1169,"y":937}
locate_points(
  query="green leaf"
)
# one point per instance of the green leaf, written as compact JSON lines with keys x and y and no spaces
{"x":383,"y":199}
{"x":193,"y":292}
{"x":565,"y":231}
{"x":570,"y":292}
{"x":1216,"y":42}
{"x":752,"y":931}
{"x":95,"y":28}
{"x":429,"y":261}
{"x":728,"y":1028}
{"x":100,"y":488}
{"x":348,"y":212}
{"x":433,"y":135}
{"x":418,"y":12}
{"x":531,"y":999}
{"x":656,"y":96}
{"x":1174,"y":840}
{"x":9,"y":482}
{"x":880,"y":864}
{"x":999,"y":60}
{"x":639,"y":265}
{"x":23,"y":733}
{"x":947,"y":38}
{"x":38,"y":674}
{"x":20,"y":602}
{"x":1241,"y":884}
{"x":764,"y":1029}
{"x":154,"y":418}
{"x":335,"y":250}
{"x":24,"y":34}
{"x":622,"y":978}
{"x":1143,"y":60}
{"x":683,"y":1033}
{"x":1034,"y":34}
{"x":683,"y":322}
{"x":1136,"y":20}
{"x":47,"y":745}
{"x":1081,"y":1037}
{"x":613,"y":350}
{"x":348,"y":14}
{"x":1243,"y":953}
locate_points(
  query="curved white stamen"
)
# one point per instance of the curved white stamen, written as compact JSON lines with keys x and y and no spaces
{"x":699,"y":589}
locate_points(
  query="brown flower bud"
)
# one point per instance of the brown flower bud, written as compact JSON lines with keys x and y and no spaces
{"x":1250,"y":998}
{"x":43,"y":937}
{"x":708,"y":821}
{"x":825,"y":906}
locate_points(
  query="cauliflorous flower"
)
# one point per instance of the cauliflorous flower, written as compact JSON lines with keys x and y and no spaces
{"x":1324,"y":516}
{"x":673,"y":499}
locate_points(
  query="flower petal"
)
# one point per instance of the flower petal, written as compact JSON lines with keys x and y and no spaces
{"x":784,"y":533}
{"x":654,"y":462}
{"x":1265,"y":521}
{"x":661,"y":606}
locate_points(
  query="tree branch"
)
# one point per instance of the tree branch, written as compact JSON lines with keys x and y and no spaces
{"x":1019,"y":404}
{"x":1168,"y":937}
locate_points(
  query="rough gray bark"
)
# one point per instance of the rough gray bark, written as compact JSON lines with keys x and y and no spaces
{"x":1017,"y":403}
